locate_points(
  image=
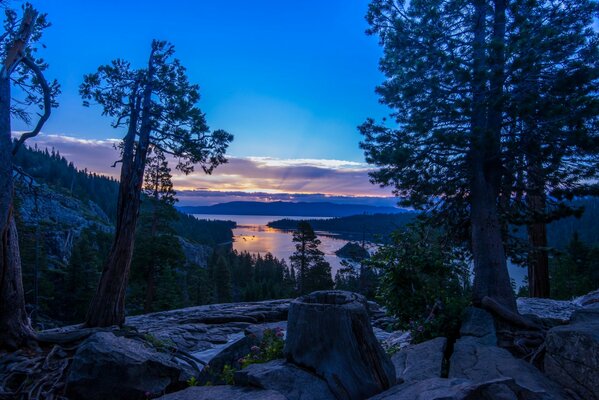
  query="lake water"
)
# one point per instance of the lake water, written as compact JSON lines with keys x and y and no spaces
{"x":252,"y":235}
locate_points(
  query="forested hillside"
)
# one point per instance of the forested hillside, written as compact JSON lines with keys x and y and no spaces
{"x":370,"y":227}
{"x":66,"y":217}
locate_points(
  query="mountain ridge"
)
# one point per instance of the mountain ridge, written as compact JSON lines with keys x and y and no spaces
{"x":289,"y":208}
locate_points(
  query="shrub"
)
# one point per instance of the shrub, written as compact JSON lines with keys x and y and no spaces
{"x":424,"y":281}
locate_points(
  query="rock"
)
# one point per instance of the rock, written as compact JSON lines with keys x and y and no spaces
{"x":479,"y":363}
{"x":480,"y":324}
{"x":329,"y":332}
{"x":106,"y":366}
{"x":420,"y":361}
{"x":229,"y":355}
{"x":258,"y":330}
{"x":397,"y":340}
{"x":451,"y":389}
{"x":291,"y":381}
{"x":587,"y":299}
{"x":572,"y":354}
{"x":223,"y":393}
{"x":588,"y":314}
{"x":552,"y":312}
{"x":67,"y":215}
{"x":195,"y":254}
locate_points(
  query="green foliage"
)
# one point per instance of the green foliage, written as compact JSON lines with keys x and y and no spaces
{"x":424,"y":281}
{"x":82,"y":275}
{"x":575,"y":271}
{"x":158,"y":343}
{"x":222,"y":280}
{"x":192,"y":381}
{"x":271,"y":348}
{"x":314,"y":273}
{"x":249,"y":277}
{"x":357,"y":277}
{"x":203,"y":231}
{"x":228,"y":374}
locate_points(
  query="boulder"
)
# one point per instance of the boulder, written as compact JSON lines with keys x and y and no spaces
{"x":106,"y":366}
{"x":572,"y":354}
{"x":329,"y":332}
{"x":420,"y":361}
{"x":480,"y":324}
{"x":396,"y":340}
{"x":551,"y":312}
{"x":229,"y":354}
{"x":587,"y":299}
{"x":451,"y":389}
{"x":223,"y":393}
{"x":479,"y":363}
{"x":288,"y":379}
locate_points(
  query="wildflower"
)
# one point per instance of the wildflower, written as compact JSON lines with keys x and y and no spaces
{"x":255,"y":349}
{"x":280,"y":334}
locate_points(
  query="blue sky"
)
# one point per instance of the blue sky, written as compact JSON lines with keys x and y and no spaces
{"x":290,"y":79}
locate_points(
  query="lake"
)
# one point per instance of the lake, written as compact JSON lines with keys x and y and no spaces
{"x":252,"y":235}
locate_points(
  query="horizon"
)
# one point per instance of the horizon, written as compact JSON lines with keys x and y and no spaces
{"x":294,"y":122}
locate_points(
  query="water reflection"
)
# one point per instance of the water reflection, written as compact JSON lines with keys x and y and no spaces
{"x":252,"y":235}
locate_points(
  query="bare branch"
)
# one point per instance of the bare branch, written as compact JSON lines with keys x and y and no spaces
{"x":47,"y":93}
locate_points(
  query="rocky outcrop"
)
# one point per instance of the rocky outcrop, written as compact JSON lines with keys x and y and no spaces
{"x":452,"y":389}
{"x":288,"y":379}
{"x":224,"y":392}
{"x":478,"y":323}
{"x":588,"y":299}
{"x":420,"y":361}
{"x":572,"y":353}
{"x":480,"y":363}
{"x":66,"y":215}
{"x":106,"y":366}
{"x":330,"y":333}
{"x":552,"y":312}
{"x":195,"y":254}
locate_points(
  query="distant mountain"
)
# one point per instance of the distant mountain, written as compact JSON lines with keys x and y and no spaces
{"x":292,"y":209}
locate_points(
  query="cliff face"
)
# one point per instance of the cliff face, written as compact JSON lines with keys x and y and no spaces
{"x":60,"y":216}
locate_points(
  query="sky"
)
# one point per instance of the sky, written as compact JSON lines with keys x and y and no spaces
{"x":291,"y":80}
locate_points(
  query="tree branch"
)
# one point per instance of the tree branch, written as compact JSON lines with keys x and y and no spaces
{"x":47,"y":93}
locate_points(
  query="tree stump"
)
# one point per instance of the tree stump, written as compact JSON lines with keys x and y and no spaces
{"x":329,"y":332}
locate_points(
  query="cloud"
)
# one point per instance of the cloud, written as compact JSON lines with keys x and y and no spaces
{"x":261,"y":178}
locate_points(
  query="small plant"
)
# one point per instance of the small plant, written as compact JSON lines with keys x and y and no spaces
{"x":158,"y":343}
{"x":228,"y":374}
{"x":192,"y":381}
{"x":271,"y":348}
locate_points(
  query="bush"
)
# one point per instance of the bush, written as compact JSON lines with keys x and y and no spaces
{"x":271,"y":348}
{"x":424,"y":282}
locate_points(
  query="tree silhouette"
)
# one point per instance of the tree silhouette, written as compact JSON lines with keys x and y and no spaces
{"x":157,"y":106}
{"x":20,"y":69}
{"x":313,"y":272}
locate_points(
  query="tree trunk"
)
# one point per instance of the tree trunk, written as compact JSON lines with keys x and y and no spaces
{"x":108,"y":305}
{"x":15,"y":327}
{"x":490,"y":267}
{"x":538,"y":259}
{"x":329,"y":332}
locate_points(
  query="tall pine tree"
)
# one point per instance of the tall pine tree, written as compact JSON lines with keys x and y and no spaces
{"x":157,"y":105}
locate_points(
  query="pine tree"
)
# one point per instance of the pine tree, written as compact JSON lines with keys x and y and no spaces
{"x":313,"y":272}
{"x":157,"y":105}
{"x":222,"y":280}
{"x":455,"y":83}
